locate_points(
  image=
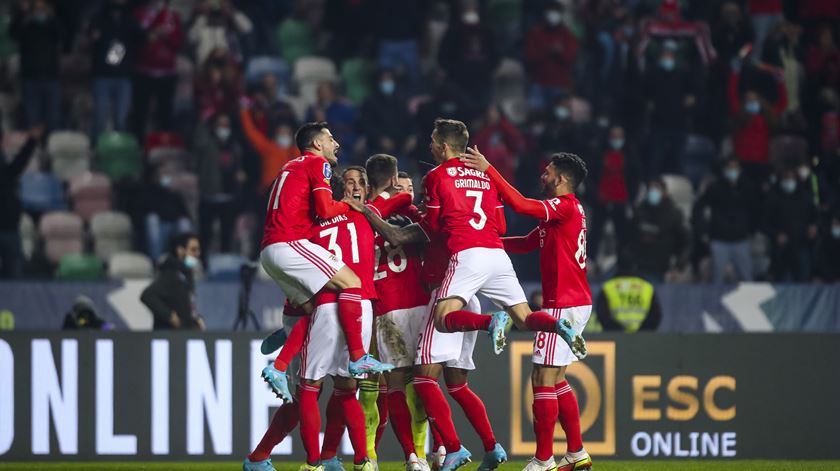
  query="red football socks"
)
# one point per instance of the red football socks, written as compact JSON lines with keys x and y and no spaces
{"x":350,"y":318}
{"x":354,"y":419}
{"x":545,"y":416}
{"x":310,"y":422}
{"x":569,"y":414}
{"x":334,"y":428}
{"x":463,"y":321}
{"x":541,"y":321}
{"x":475,"y":411}
{"x":401,"y":420}
{"x":382,"y":406}
{"x":437,"y":440}
{"x":440,"y":416}
{"x":293,"y":344}
{"x":284,"y":421}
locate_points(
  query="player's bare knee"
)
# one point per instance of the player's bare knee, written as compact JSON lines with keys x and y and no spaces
{"x":454,"y":376}
{"x":396,"y":379}
{"x":544,"y":375}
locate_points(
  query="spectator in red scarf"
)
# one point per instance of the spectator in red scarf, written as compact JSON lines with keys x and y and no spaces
{"x":156,"y":78}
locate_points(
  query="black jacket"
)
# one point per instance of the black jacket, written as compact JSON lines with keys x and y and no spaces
{"x":10,"y":173}
{"x":826,"y":266}
{"x":659,"y":235}
{"x":173,"y":289}
{"x":114,"y":49}
{"x":39,"y":44}
{"x":789,"y":214}
{"x":732,"y":210}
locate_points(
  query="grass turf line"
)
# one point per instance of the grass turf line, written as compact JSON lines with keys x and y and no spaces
{"x":599,"y":465}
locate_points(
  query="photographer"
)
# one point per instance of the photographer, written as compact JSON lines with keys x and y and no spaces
{"x":171,"y":295}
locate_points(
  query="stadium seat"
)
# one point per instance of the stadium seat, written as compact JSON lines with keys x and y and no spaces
{"x":788,"y":151}
{"x":79,"y":267}
{"x":224,"y":266}
{"x":295,"y":39}
{"x":186,"y":184}
{"x":118,"y":155}
{"x":357,"y":74}
{"x":90,"y":193}
{"x":257,"y":67}
{"x":28,"y":236}
{"x":311,"y":71}
{"x":169,"y":159}
{"x":581,"y":110}
{"x":62,"y":234}
{"x":41,"y":192}
{"x":509,"y":80}
{"x":123,"y":265}
{"x":69,"y":152}
{"x":682,"y":193}
{"x":515,"y":109}
{"x":111,"y":231}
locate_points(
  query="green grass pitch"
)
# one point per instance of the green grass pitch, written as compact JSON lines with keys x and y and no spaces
{"x":599,"y":465}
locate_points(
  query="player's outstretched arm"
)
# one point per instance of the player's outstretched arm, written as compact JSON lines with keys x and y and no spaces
{"x":395,"y":235}
{"x":522,"y":244}
{"x":474,"y":159}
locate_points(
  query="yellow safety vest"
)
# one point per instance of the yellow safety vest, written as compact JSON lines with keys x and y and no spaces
{"x":629,"y":299}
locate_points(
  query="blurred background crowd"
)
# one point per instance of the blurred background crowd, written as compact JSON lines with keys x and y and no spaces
{"x":710,"y":127}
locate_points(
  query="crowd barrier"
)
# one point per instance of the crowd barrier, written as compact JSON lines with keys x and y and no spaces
{"x":178,"y":396}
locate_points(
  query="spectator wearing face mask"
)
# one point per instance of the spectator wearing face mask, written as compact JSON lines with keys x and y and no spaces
{"x":166,"y":213}
{"x":754,"y":119}
{"x":670,"y":97}
{"x":561,"y":132}
{"x":550,"y":53}
{"x":385,"y":118}
{"x":659,"y":234}
{"x":725,"y":216}
{"x":826,"y":267}
{"x":171,"y":295}
{"x":790,"y":221}
{"x":617,"y":177}
{"x":221,"y":178}
{"x":38,"y":33}
{"x":469,"y":54}
{"x":218,"y":25}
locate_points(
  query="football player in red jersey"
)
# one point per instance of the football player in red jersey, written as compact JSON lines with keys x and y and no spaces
{"x":400,"y":307}
{"x":561,"y":238}
{"x":301,"y":191}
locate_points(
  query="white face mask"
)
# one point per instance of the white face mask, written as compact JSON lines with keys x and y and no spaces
{"x":284,"y":141}
{"x":223,"y":133}
{"x":553,"y":17}
{"x":804,"y":172}
{"x":470,"y":17}
{"x":191,"y":262}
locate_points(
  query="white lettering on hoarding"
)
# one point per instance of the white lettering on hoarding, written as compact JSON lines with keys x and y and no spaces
{"x":106,"y":442}
{"x":262,"y":399}
{"x":160,"y":397}
{"x":208,"y":399}
{"x":7,"y":397}
{"x":674,"y":444}
{"x":48,"y":394}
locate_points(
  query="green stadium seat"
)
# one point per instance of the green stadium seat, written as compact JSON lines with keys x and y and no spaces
{"x":118,"y":155}
{"x":357,"y":75}
{"x":80,"y":267}
{"x":296,"y":39}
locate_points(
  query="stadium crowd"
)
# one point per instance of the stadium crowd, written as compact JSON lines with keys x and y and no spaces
{"x":710,"y":128}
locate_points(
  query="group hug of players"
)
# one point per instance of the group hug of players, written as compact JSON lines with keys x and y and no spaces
{"x":347,"y":253}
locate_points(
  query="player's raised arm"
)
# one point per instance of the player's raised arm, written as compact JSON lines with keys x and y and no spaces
{"x":326,"y":207}
{"x":474,"y":159}
{"x":395,"y":235}
{"x":522,"y":244}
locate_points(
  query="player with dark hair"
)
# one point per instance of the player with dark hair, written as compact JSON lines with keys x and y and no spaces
{"x":406,"y":183}
{"x":561,"y":238}
{"x":300,"y":193}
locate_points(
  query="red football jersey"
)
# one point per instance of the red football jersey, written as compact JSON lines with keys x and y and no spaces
{"x":291,"y":213}
{"x":350,"y":238}
{"x":397,"y":277}
{"x":466,"y":203}
{"x":561,"y":239}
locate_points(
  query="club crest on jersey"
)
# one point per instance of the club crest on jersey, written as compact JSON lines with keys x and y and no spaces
{"x":452,"y":171}
{"x":327,"y":171}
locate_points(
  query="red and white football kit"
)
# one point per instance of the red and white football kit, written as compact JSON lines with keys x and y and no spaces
{"x":464,"y":205}
{"x":301,"y":191}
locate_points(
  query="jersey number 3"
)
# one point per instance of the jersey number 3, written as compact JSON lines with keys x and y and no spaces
{"x":482,"y":217}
